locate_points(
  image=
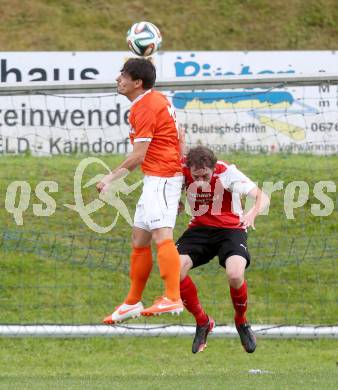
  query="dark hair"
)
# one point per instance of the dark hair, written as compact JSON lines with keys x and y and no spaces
{"x":201,"y":157}
{"x":141,"y":69}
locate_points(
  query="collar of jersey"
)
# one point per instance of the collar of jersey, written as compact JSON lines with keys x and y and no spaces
{"x":141,"y":96}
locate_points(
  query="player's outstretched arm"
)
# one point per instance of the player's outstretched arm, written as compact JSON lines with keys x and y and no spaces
{"x":262,"y":201}
{"x":135,"y":158}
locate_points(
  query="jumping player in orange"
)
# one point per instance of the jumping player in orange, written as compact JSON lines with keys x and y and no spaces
{"x":155,"y":139}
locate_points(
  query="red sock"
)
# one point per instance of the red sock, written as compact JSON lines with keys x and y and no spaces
{"x":191,"y":302}
{"x":240,"y":301}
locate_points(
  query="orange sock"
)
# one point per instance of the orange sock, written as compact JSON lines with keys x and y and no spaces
{"x":169,"y":264}
{"x":141,"y":263}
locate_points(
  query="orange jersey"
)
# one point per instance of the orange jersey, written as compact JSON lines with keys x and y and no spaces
{"x":152,"y":119}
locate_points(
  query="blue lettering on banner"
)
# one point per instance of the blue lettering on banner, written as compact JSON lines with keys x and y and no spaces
{"x":192,"y":67}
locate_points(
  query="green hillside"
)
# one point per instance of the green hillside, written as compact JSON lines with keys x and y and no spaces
{"x":190,"y":25}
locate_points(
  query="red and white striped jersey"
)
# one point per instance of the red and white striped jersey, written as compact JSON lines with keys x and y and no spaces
{"x":218,"y":203}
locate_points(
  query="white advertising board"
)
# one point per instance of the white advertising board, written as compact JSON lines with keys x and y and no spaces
{"x":293,"y":119}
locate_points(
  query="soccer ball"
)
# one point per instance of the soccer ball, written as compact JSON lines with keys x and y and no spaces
{"x":144,"y":39}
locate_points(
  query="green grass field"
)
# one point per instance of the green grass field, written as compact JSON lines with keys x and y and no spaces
{"x":165,"y":363}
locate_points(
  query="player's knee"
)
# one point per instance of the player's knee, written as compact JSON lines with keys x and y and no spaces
{"x":236,"y":278}
{"x":185,"y":264}
{"x":162,"y":234}
{"x":140,"y":238}
{"x":235,"y":268}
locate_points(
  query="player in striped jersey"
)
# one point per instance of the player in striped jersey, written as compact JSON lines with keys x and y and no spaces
{"x":218,"y":228}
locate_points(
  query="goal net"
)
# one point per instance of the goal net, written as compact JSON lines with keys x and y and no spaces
{"x":64,"y":264}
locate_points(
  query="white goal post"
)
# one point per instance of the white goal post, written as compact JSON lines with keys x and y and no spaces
{"x":79,"y":331}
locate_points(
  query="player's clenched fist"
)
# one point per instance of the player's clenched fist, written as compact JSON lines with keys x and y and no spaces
{"x":100,"y":186}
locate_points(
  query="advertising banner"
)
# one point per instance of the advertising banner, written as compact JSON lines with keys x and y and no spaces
{"x":297,"y":119}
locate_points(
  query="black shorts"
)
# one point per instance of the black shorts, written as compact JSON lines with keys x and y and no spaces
{"x":203,"y":243}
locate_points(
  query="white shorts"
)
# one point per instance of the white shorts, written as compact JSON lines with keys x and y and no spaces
{"x":158,"y":204}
